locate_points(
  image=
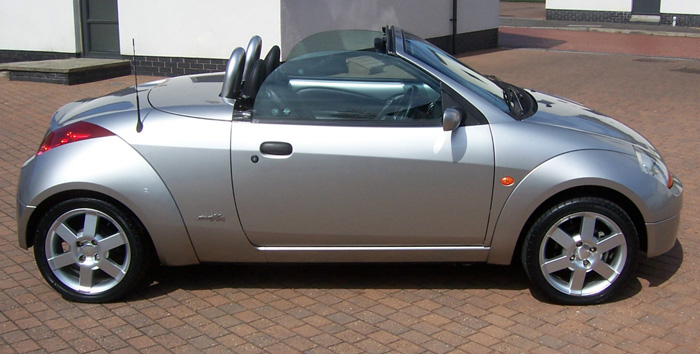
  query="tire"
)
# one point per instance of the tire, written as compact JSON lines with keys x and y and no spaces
{"x":581,"y":251}
{"x":91,"y":251}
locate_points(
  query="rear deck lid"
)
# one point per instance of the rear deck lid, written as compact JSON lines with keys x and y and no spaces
{"x":194,"y":96}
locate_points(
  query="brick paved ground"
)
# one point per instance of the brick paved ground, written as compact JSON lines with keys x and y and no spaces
{"x":378,"y":308}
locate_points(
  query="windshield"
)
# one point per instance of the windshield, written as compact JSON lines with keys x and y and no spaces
{"x":456,"y":70}
{"x":332,"y":41}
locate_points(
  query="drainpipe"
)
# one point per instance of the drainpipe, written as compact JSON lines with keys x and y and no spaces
{"x":454,"y":27}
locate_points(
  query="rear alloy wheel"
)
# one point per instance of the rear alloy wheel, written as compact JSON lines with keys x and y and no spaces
{"x":581,"y":251}
{"x":90,"y":251}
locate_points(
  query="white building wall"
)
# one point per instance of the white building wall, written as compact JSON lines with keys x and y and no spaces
{"x":39,"y":25}
{"x":196,"y":29}
{"x":691,"y":7}
{"x":429,"y":19}
{"x":212,"y":28}
{"x":591,"y":5}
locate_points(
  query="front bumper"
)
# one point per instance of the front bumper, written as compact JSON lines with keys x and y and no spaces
{"x":662,"y":235}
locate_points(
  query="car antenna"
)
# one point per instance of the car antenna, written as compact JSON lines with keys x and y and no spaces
{"x":139,"y":124}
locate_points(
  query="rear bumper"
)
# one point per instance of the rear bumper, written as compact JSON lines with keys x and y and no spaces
{"x":23,"y":213}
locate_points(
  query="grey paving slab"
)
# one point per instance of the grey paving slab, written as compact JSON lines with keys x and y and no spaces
{"x":65,"y":66}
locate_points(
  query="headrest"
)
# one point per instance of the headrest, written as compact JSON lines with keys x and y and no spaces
{"x":255,"y":79}
{"x":252,"y":54}
{"x":231,"y":88}
{"x":272,"y":60}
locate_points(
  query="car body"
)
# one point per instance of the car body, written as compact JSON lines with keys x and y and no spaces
{"x":362,"y":146}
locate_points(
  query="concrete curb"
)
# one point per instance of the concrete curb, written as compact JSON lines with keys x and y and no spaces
{"x":584,"y":28}
{"x":604,"y":27}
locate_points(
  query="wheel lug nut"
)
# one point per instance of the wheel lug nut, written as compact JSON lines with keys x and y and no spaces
{"x":586,"y":263}
{"x":97,"y":258}
{"x":579,"y":244}
{"x":572,"y":258}
{"x":94,"y":242}
{"x":81,"y":259}
{"x":593,"y":249}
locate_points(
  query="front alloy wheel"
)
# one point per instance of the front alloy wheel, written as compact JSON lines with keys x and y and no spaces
{"x":581,"y":251}
{"x":89,"y":250}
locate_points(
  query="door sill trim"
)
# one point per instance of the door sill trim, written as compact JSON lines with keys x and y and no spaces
{"x":351,"y":254}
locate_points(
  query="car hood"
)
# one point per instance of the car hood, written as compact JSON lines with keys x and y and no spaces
{"x":564,"y":113}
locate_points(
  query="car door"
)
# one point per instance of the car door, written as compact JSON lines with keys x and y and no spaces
{"x":348,"y":150}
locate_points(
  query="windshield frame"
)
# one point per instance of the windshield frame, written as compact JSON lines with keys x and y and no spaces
{"x":406,"y":44}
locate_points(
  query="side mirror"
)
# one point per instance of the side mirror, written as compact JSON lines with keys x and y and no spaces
{"x":451,"y":119}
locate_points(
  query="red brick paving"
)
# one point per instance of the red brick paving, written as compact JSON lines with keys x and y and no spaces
{"x":596,"y":42}
{"x":378,"y":308}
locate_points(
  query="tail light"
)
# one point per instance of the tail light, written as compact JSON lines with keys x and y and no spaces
{"x":72,"y":133}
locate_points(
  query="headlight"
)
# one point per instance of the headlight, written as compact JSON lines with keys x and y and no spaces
{"x":652,"y":164}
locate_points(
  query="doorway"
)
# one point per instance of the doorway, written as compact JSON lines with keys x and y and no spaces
{"x":646,"y":7}
{"x":100,"y":26}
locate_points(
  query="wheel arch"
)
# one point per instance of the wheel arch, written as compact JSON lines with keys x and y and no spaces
{"x":51,"y":201}
{"x":605,"y":175}
{"x":586,"y":191}
{"x":117,"y":174}
{"x":167,"y":254}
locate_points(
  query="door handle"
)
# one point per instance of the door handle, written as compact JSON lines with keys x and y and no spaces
{"x":276,"y":148}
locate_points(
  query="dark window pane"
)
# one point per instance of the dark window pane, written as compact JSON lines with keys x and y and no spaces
{"x":102,"y":10}
{"x":104,"y":37}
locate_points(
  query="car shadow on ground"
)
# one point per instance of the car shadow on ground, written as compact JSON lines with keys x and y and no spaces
{"x":335,"y":276}
{"x":512,"y":40}
{"x":659,"y":270}
{"x":166,"y":280}
{"x":656,"y":271}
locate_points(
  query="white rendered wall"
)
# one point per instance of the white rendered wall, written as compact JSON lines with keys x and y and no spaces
{"x":196,"y":29}
{"x":591,"y":5}
{"x":212,"y":28}
{"x":301,"y":18}
{"x":39,"y":25}
{"x":691,"y":7}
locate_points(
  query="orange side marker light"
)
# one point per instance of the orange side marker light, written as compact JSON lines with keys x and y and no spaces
{"x":507,"y":181}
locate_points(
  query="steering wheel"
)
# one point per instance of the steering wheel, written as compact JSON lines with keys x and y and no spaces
{"x":276,"y":99}
{"x":399,"y":106}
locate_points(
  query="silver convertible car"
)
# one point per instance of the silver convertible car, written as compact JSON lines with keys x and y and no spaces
{"x":362,"y":146}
